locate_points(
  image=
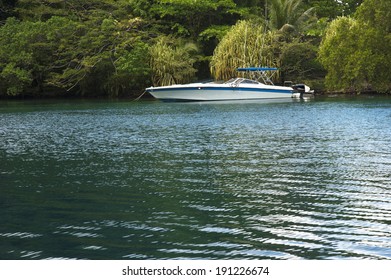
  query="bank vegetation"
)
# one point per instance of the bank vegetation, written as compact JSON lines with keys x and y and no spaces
{"x":117,"y":48}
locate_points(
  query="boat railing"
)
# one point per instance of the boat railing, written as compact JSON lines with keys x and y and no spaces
{"x":261,"y":74}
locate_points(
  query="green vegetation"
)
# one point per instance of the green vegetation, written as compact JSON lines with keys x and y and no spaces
{"x":248,"y":43}
{"x":171,"y":61}
{"x":119,"y":47}
{"x":356,"y":51}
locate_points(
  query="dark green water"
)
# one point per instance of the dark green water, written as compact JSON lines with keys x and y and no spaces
{"x":151,"y":180}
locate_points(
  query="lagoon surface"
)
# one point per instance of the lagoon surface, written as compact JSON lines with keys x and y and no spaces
{"x":149,"y":180}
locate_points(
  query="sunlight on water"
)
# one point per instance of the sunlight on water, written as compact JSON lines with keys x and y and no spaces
{"x":149,"y":180}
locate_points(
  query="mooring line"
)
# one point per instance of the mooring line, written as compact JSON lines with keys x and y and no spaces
{"x":140,"y":96}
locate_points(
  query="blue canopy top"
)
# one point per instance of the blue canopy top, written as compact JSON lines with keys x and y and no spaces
{"x":257,"y":69}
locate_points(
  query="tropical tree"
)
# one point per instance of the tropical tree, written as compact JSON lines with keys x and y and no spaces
{"x":74,"y":9}
{"x":374,"y":17}
{"x":376,"y":13}
{"x":332,"y":9}
{"x":131,"y":69}
{"x":350,"y":6}
{"x":26,"y":54}
{"x":289,"y":15}
{"x":356,"y":52}
{"x":338,"y":54}
{"x":77,"y":57}
{"x":248,"y":43}
{"x":251,"y":9}
{"x":191,"y":17}
{"x":299,"y":61}
{"x":172,"y":61}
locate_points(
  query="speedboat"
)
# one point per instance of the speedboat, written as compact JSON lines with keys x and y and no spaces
{"x":260,"y":87}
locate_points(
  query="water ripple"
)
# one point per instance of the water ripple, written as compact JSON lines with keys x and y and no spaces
{"x":196,"y":181}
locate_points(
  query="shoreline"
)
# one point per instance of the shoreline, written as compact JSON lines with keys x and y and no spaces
{"x":145,"y":96}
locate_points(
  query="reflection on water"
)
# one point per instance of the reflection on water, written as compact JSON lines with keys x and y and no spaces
{"x":150,"y":180}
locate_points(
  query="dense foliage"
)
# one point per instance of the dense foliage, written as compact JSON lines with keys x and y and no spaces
{"x":118,"y":47}
{"x":356,"y":51}
{"x":248,"y":43}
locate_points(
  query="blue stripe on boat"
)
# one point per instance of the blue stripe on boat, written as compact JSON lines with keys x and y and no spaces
{"x":223,"y":88}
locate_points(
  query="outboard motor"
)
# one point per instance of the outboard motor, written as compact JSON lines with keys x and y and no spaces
{"x":300,"y":88}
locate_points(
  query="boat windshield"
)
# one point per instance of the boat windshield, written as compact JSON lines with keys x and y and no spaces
{"x":231,"y":81}
{"x":247,"y":81}
{"x":241,"y":81}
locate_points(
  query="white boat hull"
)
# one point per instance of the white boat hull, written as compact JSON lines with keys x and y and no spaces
{"x":218,"y":92}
